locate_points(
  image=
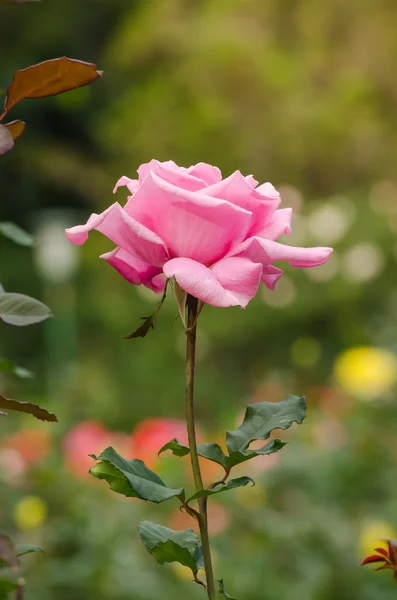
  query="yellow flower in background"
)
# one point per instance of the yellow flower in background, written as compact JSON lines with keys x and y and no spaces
{"x":30,"y":512}
{"x":366,"y":371}
{"x":375,"y":535}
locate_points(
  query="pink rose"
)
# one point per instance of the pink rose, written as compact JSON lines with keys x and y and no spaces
{"x":215,"y":236}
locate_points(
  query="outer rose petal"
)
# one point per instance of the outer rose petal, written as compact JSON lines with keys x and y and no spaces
{"x":268,"y":190}
{"x":134,"y":270}
{"x":271,"y":276}
{"x":239,"y":191}
{"x":124,"y":231}
{"x":206,"y":172}
{"x":131,"y":184}
{"x":173,"y":174}
{"x":230,"y":282}
{"x":280,"y":223}
{"x":192,"y":224}
{"x":266,"y":252}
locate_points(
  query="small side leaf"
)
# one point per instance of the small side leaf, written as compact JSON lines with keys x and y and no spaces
{"x":236,"y":458}
{"x":230,"y":485}
{"x":210,"y":451}
{"x":168,"y":545}
{"x":144,"y":329}
{"x":176,"y":448}
{"x":260,"y":420}
{"x":221,"y":590}
{"x":21,"y":310}
{"x":28,"y":408}
{"x":23,"y":549}
{"x":132,"y":478}
{"x":180,"y":297}
{"x":16,"y":234}
{"x":149,"y":322}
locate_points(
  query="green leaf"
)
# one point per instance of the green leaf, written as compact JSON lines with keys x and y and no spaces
{"x":176,"y":448}
{"x":212,"y":452}
{"x":222,"y":590}
{"x":28,"y":408}
{"x":144,"y":329}
{"x":237,"y":458}
{"x":20,"y":310}
{"x":168,"y":545}
{"x":132,"y":478}
{"x":16,"y":234}
{"x":229,"y":485}
{"x":149,"y":322}
{"x":7,"y":366}
{"x":260,"y":420}
{"x":6,"y":588}
{"x":23,"y":549}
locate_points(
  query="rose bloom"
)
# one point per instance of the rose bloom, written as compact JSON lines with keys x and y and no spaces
{"x":215,"y":236}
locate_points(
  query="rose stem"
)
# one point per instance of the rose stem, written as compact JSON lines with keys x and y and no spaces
{"x":192,"y":306}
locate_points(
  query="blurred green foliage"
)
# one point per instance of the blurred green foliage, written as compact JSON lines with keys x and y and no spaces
{"x":299,"y":93}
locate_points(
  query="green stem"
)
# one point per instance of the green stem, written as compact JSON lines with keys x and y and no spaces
{"x":192,"y":306}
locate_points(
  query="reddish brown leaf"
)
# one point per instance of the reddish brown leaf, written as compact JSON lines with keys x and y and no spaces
{"x":16,"y":128}
{"x":27,"y":407}
{"x":373,"y":559}
{"x":392,"y":552}
{"x":382,"y":551}
{"x":49,"y":78}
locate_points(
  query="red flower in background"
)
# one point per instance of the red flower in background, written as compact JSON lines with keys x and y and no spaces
{"x":387,"y":559}
{"x":150,"y":435}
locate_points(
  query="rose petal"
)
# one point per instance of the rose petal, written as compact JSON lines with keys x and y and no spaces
{"x":251,"y":180}
{"x":206,"y":172}
{"x":230,"y":282}
{"x":279,"y":223}
{"x":267,"y":251}
{"x":123,"y":230}
{"x":173,"y":174}
{"x":240,"y":276}
{"x":238,"y":190}
{"x":191,"y":224}
{"x":268,"y":190}
{"x":134,"y":270}
{"x":271,"y":276}
{"x":131,"y":184}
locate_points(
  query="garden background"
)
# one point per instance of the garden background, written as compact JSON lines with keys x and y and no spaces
{"x":299,"y":93}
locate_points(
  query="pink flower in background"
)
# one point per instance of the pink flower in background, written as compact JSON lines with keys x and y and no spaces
{"x":90,"y":437}
{"x":215,"y":236}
